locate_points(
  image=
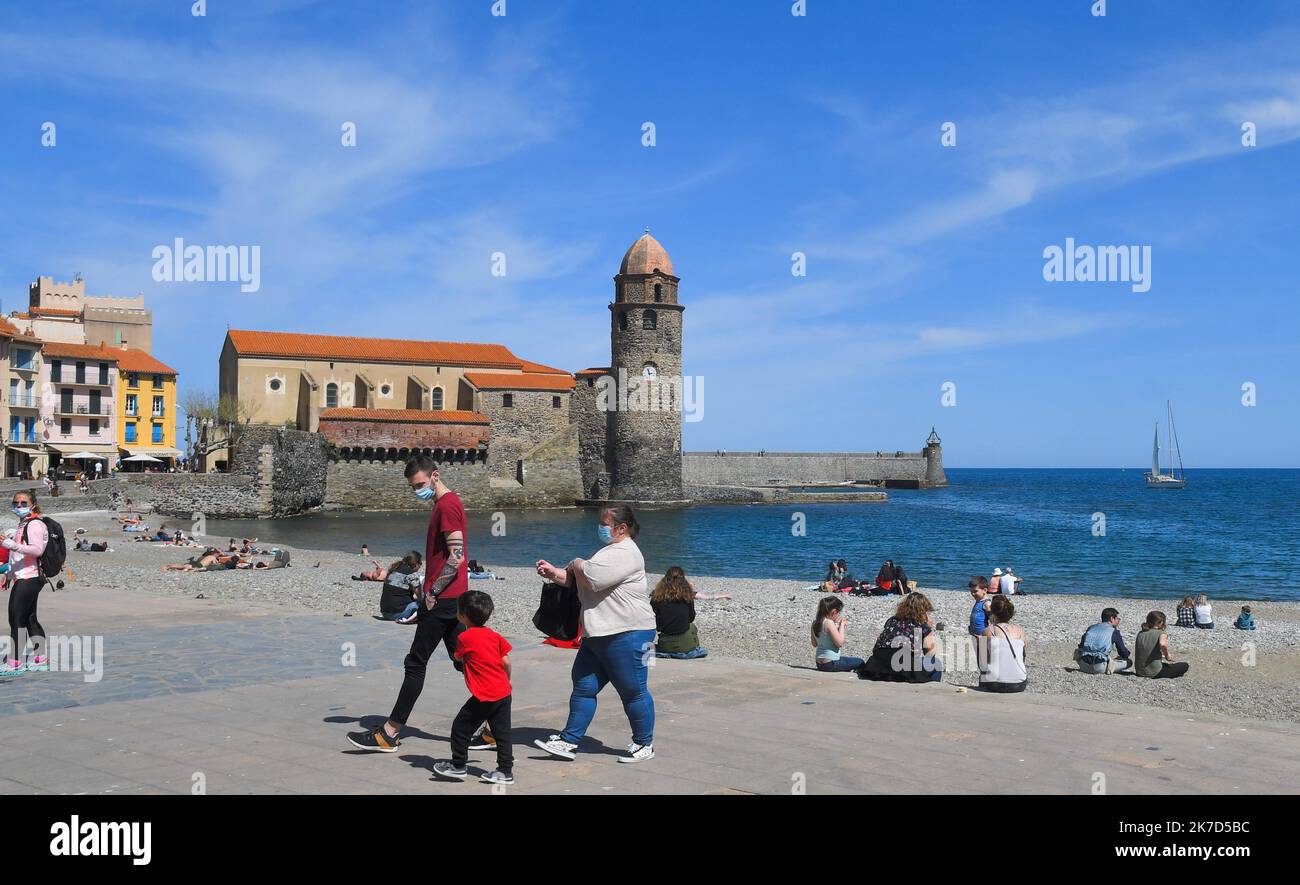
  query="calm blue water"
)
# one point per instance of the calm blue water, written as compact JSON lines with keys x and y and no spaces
{"x":1234,"y":533}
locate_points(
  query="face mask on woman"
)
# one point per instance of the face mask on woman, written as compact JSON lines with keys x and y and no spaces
{"x":605,"y":533}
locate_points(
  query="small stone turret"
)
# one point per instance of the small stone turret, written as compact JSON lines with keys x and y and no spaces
{"x":934,"y":475}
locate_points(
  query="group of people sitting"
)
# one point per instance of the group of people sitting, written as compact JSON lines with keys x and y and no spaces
{"x":1198,"y":613}
{"x":214,"y":560}
{"x":907,"y":649}
{"x":162,"y":536}
{"x":890,"y":579}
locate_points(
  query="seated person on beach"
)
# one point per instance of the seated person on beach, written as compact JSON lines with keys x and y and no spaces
{"x":1009,"y":583}
{"x":403,"y":582}
{"x":846,"y":580}
{"x":906,"y":650}
{"x":1002,"y":650}
{"x":828,"y":635}
{"x":1094,"y":652}
{"x":1152,"y":651}
{"x":1203,"y":613}
{"x":885,"y":578}
{"x":673,"y":601}
{"x":90,"y":546}
{"x":979,"y":614}
{"x":834,"y":574}
{"x":1245,"y":620}
{"x":995,"y":582}
{"x":901,"y":583}
{"x":1186,"y":613}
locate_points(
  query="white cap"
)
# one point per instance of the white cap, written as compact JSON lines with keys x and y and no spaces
{"x":997,"y":573}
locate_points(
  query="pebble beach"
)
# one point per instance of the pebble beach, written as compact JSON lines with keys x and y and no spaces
{"x":1249,"y":674}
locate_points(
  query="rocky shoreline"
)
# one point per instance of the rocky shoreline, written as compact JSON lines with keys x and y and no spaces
{"x":1248,"y":674}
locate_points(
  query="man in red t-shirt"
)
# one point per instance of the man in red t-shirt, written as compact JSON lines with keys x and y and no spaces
{"x":446,"y":578}
{"x":486,"y":656}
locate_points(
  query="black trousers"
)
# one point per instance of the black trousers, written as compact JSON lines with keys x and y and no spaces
{"x":22,"y":615}
{"x":475,"y":712}
{"x":1173,"y":671}
{"x":438,"y":624}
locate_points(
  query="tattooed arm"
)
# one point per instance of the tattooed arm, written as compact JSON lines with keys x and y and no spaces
{"x":455,"y":556}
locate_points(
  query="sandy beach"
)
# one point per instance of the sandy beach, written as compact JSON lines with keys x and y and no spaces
{"x":768,"y":620}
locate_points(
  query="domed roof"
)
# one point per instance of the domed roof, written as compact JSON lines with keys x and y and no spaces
{"x":646,"y":255}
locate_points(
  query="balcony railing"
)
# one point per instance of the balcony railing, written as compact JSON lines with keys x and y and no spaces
{"x":79,"y":409}
{"x":23,"y":402}
{"x":91,"y":380}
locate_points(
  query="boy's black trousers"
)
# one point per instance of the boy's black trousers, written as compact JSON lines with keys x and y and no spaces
{"x":475,"y":712}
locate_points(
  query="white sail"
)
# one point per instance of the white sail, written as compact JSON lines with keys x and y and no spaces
{"x":1155,"y":453}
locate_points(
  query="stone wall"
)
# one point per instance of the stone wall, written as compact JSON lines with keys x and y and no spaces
{"x":593,"y":431}
{"x":382,"y":485}
{"x":289,"y":467}
{"x":530,"y":421}
{"x":215,"y":495}
{"x":644,"y":453}
{"x":794,"y":468}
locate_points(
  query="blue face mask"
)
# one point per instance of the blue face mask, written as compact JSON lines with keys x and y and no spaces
{"x":22,"y":511}
{"x":606,"y":535}
{"x":425,"y":493}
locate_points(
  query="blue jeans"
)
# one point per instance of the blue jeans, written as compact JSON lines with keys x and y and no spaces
{"x":840,"y":665}
{"x":623,"y":660}
{"x":410,"y":609}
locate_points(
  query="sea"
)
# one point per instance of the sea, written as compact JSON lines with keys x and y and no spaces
{"x":1229,"y":533}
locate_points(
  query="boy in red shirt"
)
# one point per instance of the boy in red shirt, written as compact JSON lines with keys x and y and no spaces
{"x":485,"y":655}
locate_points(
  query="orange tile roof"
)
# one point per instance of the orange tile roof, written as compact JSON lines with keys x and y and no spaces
{"x":132,"y":359}
{"x":525,"y":381}
{"x":409,"y":416}
{"x":377,"y":350}
{"x":9,"y":329}
{"x":86,"y":351}
{"x":54,"y":312}
{"x":601,"y":371}
{"x":541,"y":369}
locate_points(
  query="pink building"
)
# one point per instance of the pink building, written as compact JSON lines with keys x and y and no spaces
{"x":78,"y":408}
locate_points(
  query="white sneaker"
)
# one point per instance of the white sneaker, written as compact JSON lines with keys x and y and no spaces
{"x":557,"y":747}
{"x":638,"y":753}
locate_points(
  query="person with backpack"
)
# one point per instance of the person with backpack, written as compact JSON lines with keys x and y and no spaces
{"x":31,"y":550}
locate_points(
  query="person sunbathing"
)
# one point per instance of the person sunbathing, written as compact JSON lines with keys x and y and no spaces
{"x":378,"y":573}
{"x":207,"y":562}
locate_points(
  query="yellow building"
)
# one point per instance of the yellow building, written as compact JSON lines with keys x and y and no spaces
{"x":146,"y":409}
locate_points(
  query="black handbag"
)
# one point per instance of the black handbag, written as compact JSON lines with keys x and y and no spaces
{"x":557,"y":613}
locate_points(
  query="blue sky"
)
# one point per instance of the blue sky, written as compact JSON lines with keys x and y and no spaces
{"x":775,"y":134}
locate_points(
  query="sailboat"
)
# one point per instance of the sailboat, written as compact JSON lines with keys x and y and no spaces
{"x":1174,"y":479}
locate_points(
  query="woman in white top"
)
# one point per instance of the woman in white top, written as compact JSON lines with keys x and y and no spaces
{"x":1204,"y":613}
{"x":618,"y":635}
{"x":1002,"y":650}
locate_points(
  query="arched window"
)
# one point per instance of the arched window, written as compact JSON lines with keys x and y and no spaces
{"x":331,"y":396}
{"x":659,"y":292}
{"x":435,"y":399}
{"x":650,"y":320}
{"x":622,"y":322}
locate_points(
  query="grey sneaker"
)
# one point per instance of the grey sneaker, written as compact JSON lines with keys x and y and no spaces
{"x":638,"y":753}
{"x":504,"y":778}
{"x":557,"y":747}
{"x":449,"y":771}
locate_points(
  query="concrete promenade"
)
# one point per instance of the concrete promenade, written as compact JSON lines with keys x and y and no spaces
{"x":258,"y":701}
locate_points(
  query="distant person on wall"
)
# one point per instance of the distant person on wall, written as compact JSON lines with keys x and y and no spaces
{"x":618,"y":634}
{"x":1152,"y":651}
{"x":1102,"y":646}
{"x":444,"y":581}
